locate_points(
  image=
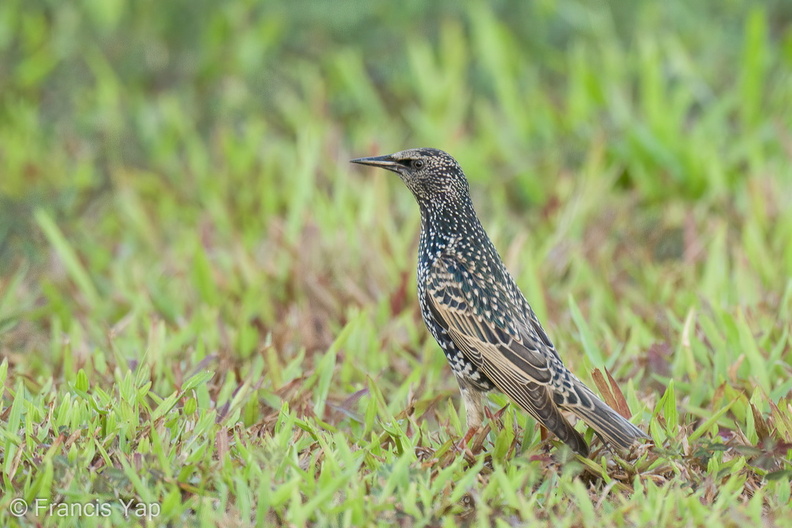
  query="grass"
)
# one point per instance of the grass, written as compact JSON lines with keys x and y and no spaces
{"x":208,"y":317}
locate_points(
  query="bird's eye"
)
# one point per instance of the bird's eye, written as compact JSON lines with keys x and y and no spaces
{"x":418,"y":164}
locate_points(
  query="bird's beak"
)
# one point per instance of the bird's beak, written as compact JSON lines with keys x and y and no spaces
{"x":385,"y":162}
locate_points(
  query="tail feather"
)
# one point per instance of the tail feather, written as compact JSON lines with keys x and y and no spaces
{"x":537,"y":400}
{"x":545,"y":405}
{"x":609,"y":425}
{"x":549,"y":415}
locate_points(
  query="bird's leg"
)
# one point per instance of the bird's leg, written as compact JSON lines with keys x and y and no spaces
{"x":474,"y":409}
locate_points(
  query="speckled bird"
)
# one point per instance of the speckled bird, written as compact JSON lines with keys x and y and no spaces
{"x":480,"y":318}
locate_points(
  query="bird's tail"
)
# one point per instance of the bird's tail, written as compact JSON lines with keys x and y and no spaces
{"x":537,"y":401}
{"x":609,"y":425}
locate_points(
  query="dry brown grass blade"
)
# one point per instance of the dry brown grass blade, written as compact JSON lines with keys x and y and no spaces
{"x":781,"y":420}
{"x":618,"y":396}
{"x":602,"y":386}
{"x":611,"y":392}
{"x":762,"y":428}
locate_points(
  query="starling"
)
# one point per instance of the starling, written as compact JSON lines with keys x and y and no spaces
{"x":473,"y":308}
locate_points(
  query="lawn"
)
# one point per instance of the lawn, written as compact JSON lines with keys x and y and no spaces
{"x":208,"y":316}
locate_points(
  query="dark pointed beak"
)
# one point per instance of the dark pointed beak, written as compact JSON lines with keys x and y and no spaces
{"x":385,"y":162}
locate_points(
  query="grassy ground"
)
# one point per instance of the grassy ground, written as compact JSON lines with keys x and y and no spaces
{"x":208,"y":317}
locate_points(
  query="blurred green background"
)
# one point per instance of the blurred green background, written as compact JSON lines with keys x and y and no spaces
{"x":686,"y":97}
{"x":175,"y":194}
{"x":139,"y":126}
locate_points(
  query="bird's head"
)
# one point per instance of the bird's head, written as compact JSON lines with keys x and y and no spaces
{"x":432,"y":175}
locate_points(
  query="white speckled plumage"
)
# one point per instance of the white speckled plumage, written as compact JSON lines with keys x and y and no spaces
{"x":480,"y":318}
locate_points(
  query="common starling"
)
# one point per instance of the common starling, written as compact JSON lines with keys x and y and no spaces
{"x":473,"y":308}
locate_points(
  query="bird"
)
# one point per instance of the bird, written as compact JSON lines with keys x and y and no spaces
{"x":475,"y":311}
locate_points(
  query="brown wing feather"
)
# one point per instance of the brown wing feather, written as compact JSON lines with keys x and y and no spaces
{"x":521,"y":372}
{"x":516,"y":350}
{"x":519,"y":359}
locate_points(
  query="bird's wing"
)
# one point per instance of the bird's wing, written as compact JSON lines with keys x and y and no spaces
{"x":473,"y":309}
{"x":515,"y":353}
